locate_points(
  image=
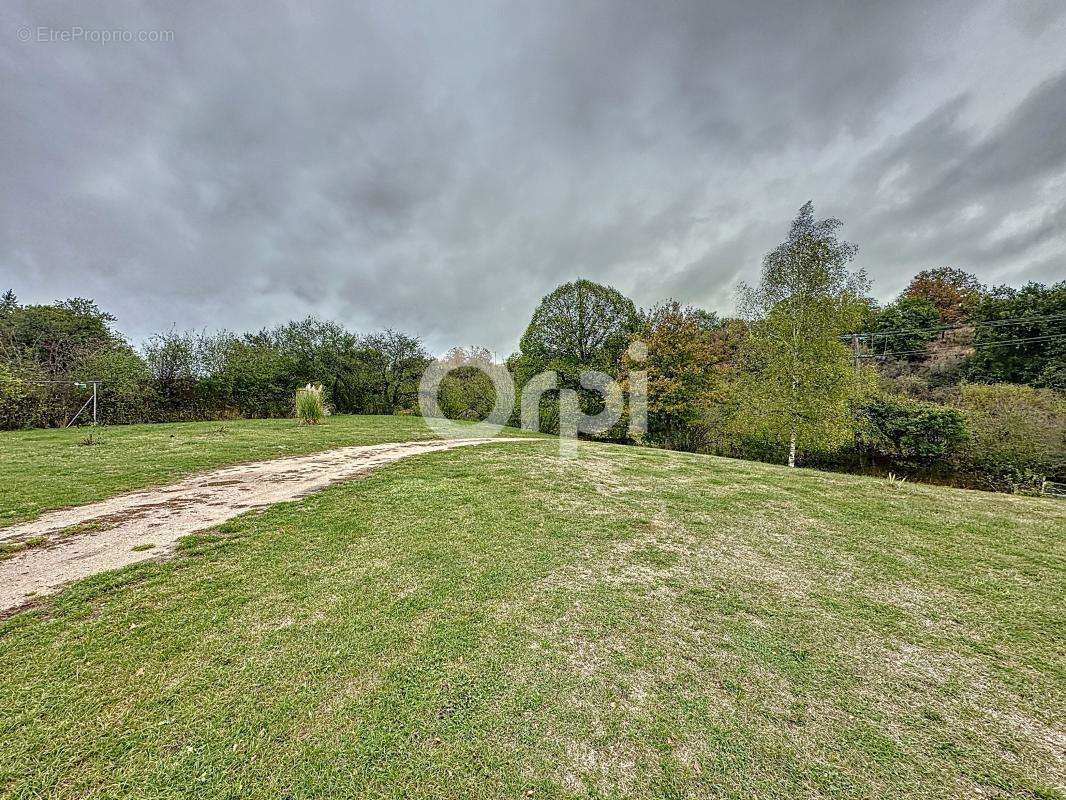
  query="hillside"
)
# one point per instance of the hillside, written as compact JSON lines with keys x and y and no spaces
{"x":497,"y":622}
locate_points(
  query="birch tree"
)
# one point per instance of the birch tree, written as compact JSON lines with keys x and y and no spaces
{"x":798,"y":376}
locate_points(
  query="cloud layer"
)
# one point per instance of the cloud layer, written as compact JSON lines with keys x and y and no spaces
{"x":439,"y":167}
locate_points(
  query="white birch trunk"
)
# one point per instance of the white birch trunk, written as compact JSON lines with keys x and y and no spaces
{"x":792,"y":449}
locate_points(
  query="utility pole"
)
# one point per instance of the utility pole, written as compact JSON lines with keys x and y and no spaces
{"x":83,"y":385}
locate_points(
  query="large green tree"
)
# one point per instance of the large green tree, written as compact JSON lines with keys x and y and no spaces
{"x":798,"y":380}
{"x":46,"y":350}
{"x":55,"y":338}
{"x":579,"y":326}
{"x":397,"y":361}
{"x":324,"y":352}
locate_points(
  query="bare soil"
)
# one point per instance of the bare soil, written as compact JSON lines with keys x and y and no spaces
{"x":74,"y":543}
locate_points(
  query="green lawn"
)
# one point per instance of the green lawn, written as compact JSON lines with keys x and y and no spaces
{"x":46,"y":469}
{"x":496,"y":622}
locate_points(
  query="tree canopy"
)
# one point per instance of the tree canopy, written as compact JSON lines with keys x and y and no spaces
{"x":689,"y":356}
{"x":953,"y":292}
{"x":905,"y":326}
{"x":798,"y":379}
{"x":580,"y":325}
{"x":1014,"y":336}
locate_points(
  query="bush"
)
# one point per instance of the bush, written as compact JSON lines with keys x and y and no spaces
{"x":467,"y":393}
{"x":310,"y":407}
{"x":13,"y":394}
{"x":911,"y":433}
{"x":1017,"y":434}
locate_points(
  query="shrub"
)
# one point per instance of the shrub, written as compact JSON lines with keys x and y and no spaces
{"x":310,"y":407}
{"x":13,"y":394}
{"x":467,"y":393}
{"x":913,"y":433}
{"x":1017,"y":433}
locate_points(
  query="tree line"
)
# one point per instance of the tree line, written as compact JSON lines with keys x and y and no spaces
{"x":951,"y":381}
{"x":48,"y":349}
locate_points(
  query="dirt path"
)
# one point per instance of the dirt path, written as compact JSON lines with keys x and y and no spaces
{"x":82,"y":541}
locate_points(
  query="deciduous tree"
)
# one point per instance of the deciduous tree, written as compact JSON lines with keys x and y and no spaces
{"x":689,"y":353}
{"x":1035,"y":313}
{"x":905,"y":326}
{"x":953,"y":292}
{"x":799,"y":381}
{"x":397,"y":360}
{"x":579,"y":326}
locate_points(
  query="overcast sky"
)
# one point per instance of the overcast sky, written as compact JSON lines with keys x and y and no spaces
{"x":438,"y":167}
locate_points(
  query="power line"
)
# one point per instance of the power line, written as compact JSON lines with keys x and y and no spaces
{"x":975,"y":325}
{"x":1018,"y":320}
{"x":976,"y":345}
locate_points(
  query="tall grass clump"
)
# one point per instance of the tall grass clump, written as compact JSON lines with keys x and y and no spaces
{"x":310,"y":407}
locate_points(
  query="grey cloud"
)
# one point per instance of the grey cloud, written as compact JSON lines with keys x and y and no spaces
{"x":948,"y":192}
{"x":1028,"y":146}
{"x":439,"y":168}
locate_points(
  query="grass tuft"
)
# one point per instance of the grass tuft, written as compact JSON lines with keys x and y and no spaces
{"x":310,"y":406}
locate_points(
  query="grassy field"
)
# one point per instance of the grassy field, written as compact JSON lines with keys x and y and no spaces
{"x":497,"y":622}
{"x":46,"y":469}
